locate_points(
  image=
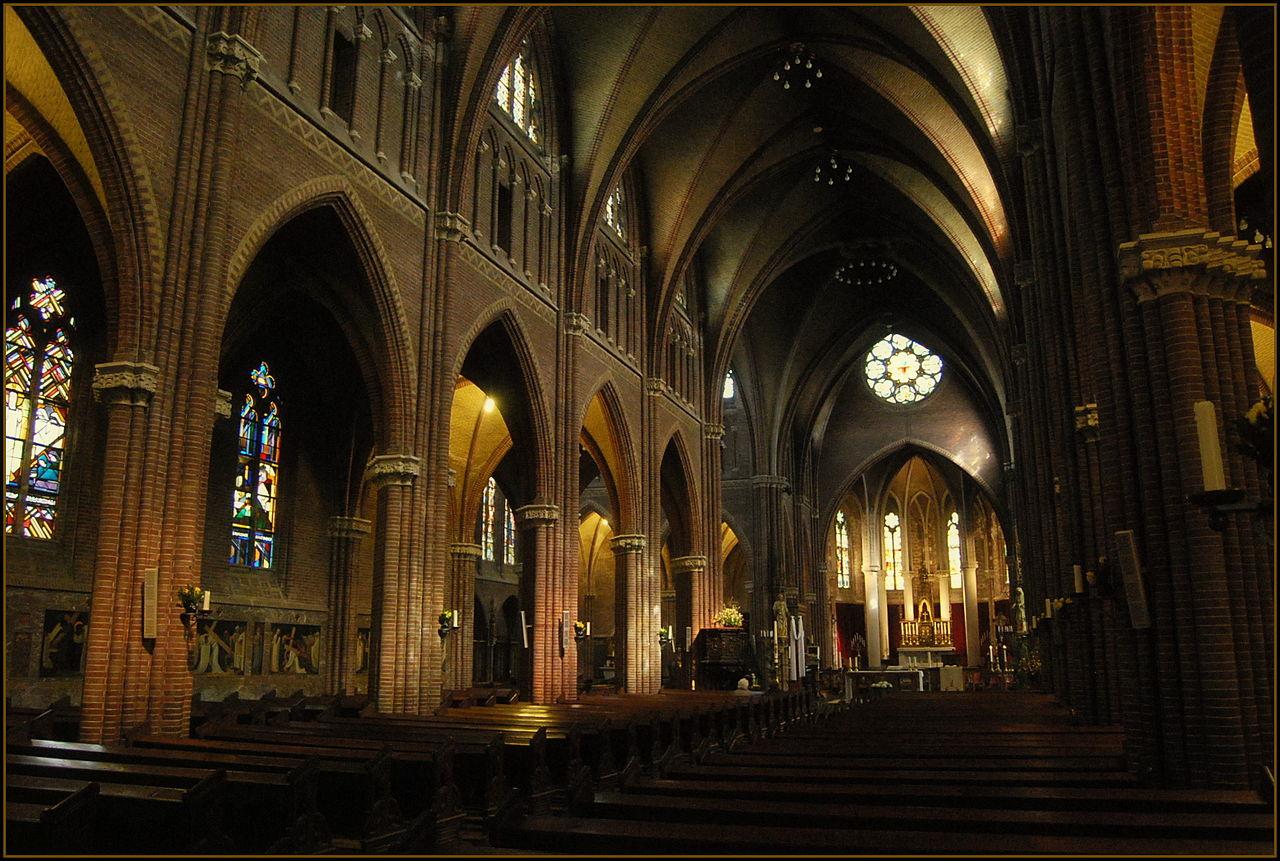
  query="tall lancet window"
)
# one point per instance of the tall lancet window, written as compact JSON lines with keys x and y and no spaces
{"x":487,"y":505}
{"x":37,"y":391}
{"x":842,"y":551}
{"x":892,"y":551}
{"x":509,"y":537}
{"x":517,"y":94}
{"x":953,"y":550}
{"x":613,"y":214}
{"x":257,"y":488}
{"x":730,"y":387}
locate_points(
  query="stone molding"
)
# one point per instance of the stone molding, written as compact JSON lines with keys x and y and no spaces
{"x":465,"y":551}
{"x":353,"y":528}
{"x":621,"y":544}
{"x":232,"y":55}
{"x":537,"y":514}
{"x":387,"y":469}
{"x":688,"y":564}
{"x":130,"y":383}
{"x":1196,"y":261}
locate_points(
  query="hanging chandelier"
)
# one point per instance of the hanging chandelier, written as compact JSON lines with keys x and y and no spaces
{"x":866,"y":271}
{"x":831,"y":167}
{"x":799,"y":68}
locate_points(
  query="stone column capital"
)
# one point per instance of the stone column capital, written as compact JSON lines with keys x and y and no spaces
{"x":1196,"y":261}
{"x":451,"y":226}
{"x":628,"y":544}
{"x":222,"y":404}
{"x":465,"y":552}
{"x":575,"y":323}
{"x":537,"y":514}
{"x":779,"y":481}
{"x":395,"y":468}
{"x":353,"y":528}
{"x":688,"y":564}
{"x":131,"y":383}
{"x":232,"y":55}
{"x":713,"y":430}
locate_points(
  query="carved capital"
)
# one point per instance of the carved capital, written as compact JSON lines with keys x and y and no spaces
{"x":1087,"y":421}
{"x":412,"y":81}
{"x":688,"y":564}
{"x":628,"y":544}
{"x":363,"y":33}
{"x":222,"y":404}
{"x":387,"y":57}
{"x":779,"y":481}
{"x":451,"y":477}
{"x":1029,"y":139}
{"x":1196,"y":261}
{"x":1019,"y":354}
{"x":1024,"y":274}
{"x":131,"y":383}
{"x":462,"y":551}
{"x":352,"y":528}
{"x":451,"y":226}
{"x":575,"y":323}
{"x":713,"y":430}
{"x":654,"y":386}
{"x":232,"y":55}
{"x":537,"y":514}
{"x":389,"y":469}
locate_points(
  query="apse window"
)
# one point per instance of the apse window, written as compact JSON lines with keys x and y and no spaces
{"x":730,"y":387}
{"x":253,"y":515}
{"x":901,"y":371}
{"x":517,"y":94}
{"x":37,"y":384}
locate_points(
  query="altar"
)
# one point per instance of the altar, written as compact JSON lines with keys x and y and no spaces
{"x":924,"y":640}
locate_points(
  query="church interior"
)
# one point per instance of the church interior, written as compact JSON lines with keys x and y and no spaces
{"x":639,"y":429}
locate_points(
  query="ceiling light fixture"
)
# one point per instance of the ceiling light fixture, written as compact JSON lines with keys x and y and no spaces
{"x":799,"y":67}
{"x":831,"y":167}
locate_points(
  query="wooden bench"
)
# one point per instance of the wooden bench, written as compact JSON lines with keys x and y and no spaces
{"x":63,"y":825}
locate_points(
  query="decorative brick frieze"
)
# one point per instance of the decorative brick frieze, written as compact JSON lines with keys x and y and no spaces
{"x":130,"y":383}
{"x":464,"y":551}
{"x":538,"y":514}
{"x":1196,"y":261}
{"x":688,"y":564}
{"x":621,"y":544}
{"x":232,"y":55}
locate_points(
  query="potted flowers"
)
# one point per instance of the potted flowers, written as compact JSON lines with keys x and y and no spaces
{"x":195,"y":603}
{"x":1257,"y":435}
{"x":730,"y":616}
{"x":447,"y":623}
{"x":581,"y":630}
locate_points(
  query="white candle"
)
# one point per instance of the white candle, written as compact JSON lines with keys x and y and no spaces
{"x":588,"y":629}
{"x":1048,"y":608}
{"x":1078,"y":573}
{"x":208,"y":596}
{"x":1210,"y":452}
{"x":457,"y":618}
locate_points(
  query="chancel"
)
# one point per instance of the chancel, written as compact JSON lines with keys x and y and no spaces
{"x":639,"y":430}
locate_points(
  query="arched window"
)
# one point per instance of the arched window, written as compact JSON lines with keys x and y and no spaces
{"x":730,"y":387}
{"x":842,"y":551}
{"x":953,"y":550}
{"x":892,"y":551}
{"x":486,"y":513}
{"x":37,"y":386}
{"x":517,"y":94}
{"x":613,"y":214}
{"x":509,"y":537}
{"x":253,"y":501}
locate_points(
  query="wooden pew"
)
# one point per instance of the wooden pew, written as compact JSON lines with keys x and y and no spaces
{"x":64,"y":825}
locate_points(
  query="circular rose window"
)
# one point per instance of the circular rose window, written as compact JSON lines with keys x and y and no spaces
{"x":901,"y":371}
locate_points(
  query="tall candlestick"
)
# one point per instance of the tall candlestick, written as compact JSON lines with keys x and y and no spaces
{"x":1210,"y":452}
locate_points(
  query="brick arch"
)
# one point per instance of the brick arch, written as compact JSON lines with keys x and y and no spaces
{"x":685,"y":495}
{"x":625,"y":473}
{"x":396,"y":363}
{"x":1223,"y":104}
{"x":118,"y":155}
{"x":503,"y":314}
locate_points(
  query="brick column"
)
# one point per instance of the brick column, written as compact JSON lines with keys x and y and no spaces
{"x":550,"y":658}
{"x":345,"y":535}
{"x":636,"y":619}
{"x":394,"y":642}
{"x":460,"y":594}
{"x":687,"y":577}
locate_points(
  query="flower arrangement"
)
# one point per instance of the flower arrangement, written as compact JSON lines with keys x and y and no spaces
{"x":1257,"y":434}
{"x":664,"y":637}
{"x":446,"y":619}
{"x":580,"y":629}
{"x":882,"y":684}
{"x":729,"y":616}
{"x":191,"y":598}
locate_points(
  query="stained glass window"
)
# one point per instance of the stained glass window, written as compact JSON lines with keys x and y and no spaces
{"x":509,"y":538}
{"x":842,"y":551}
{"x":730,"y":387}
{"x":37,"y":390}
{"x":953,"y":550}
{"x":517,"y":94}
{"x":613,"y":214}
{"x":253,"y":500}
{"x":486,"y":525}
{"x":901,"y":371}
{"x":892,"y":551}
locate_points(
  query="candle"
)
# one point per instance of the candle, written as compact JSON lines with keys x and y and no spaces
{"x":1210,"y":452}
{"x":1004,"y":656}
{"x":457,"y":618}
{"x":588,"y":629}
{"x":208,"y":596}
{"x":1048,"y":608}
{"x":1078,"y":574}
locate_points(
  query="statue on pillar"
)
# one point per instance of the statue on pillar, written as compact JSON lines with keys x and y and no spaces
{"x":781,"y":638}
{"x":1020,"y":613}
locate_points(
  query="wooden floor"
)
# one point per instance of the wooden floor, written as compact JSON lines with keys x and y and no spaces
{"x":981,"y":772}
